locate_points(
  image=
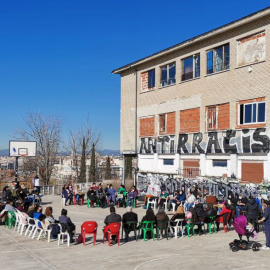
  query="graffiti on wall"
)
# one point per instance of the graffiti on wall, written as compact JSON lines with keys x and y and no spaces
{"x":230,"y":142}
{"x":212,"y":186}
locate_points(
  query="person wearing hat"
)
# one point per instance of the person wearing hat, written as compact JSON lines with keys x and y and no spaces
{"x":266,"y":220}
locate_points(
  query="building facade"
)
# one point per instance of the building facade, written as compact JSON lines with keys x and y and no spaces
{"x":201,"y":107}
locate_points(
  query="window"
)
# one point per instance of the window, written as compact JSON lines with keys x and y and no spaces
{"x":218,"y":59}
{"x":162,"y":123}
{"x":151,"y":78}
{"x":251,"y":113}
{"x":168,"y":74}
{"x":191,"y":67}
{"x":212,"y":114}
{"x":220,"y":163}
{"x":168,"y":161}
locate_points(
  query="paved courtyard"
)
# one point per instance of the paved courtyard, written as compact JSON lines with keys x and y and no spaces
{"x":197,"y":252}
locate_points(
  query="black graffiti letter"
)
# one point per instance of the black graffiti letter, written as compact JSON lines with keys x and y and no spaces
{"x":232,"y":149}
{"x":213,"y":140}
{"x":197,"y":138}
{"x":260,"y":148}
{"x":246,"y":141}
{"x":183,"y":138}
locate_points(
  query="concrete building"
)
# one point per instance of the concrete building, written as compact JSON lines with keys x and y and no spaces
{"x":201,"y":107}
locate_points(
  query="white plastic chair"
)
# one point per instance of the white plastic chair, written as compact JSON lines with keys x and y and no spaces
{"x":177,"y":227}
{"x":23,"y":217}
{"x":166,"y":206}
{"x":37,"y":229}
{"x":30,"y":226}
{"x":18,"y":220}
{"x":173,"y":206}
{"x":63,"y":200}
{"x":62,"y":235}
{"x":153,"y":202}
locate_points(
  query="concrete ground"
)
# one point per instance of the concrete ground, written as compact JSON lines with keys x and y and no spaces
{"x":197,"y":252}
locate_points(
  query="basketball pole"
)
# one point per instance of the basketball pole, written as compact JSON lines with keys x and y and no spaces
{"x":16,"y":169}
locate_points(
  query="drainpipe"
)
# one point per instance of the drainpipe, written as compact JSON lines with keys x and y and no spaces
{"x":136,"y":104}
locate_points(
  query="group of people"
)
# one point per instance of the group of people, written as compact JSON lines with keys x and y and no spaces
{"x":101,"y":196}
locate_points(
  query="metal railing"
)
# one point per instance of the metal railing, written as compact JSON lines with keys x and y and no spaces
{"x":190,"y":172}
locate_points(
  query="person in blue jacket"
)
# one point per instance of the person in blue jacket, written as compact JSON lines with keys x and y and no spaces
{"x":266,"y":220}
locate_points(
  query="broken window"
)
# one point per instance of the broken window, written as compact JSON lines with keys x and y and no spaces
{"x":162,"y":123}
{"x":212,"y":114}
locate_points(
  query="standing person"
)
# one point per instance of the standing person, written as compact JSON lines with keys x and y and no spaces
{"x":65,"y":194}
{"x":253,"y":211}
{"x":36,"y":183}
{"x":266,"y":220}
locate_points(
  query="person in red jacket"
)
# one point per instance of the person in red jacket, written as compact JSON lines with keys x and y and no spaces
{"x":222,"y":216}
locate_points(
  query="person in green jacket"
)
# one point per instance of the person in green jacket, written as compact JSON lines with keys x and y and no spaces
{"x":122,"y":201}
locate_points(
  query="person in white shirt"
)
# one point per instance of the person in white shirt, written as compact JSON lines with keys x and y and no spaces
{"x":190,"y":200}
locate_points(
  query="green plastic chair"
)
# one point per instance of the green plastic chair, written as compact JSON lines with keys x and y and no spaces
{"x":97,"y":203}
{"x":190,"y":226}
{"x":132,"y":226}
{"x":162,"y":225}
{"x":212,"y":222}
{"x":147,"y":226}
{"x":10,"y":219}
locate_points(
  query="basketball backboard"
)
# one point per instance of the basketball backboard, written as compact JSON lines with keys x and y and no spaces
{"x":22,"y":148}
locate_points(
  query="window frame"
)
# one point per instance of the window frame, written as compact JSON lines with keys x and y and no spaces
{"x":252,"y":116}
{"x":168,"y":75}
{"x":216,"y":117}
{"x":214,"y":66}
{"x":165,"y":123}
{"x":193,"y":67}
{"x":219,"y":160}
{"x":168,"y":159}
{"x":154,"y":81}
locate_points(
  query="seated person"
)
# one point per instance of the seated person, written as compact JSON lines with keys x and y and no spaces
{"x":221,"y":217}
{"x":50,"y":222}
{"x":190,"y":200}
{"x":196,"y":220}
{"x":37,"y":212}
{"x":112,"y":193}
{"x":122,"y":191}
{"x":92,"y":196}
{"x":7,"y":194}
{"x":20,"y":207}
{"x":79,"y":195}
{"x":174,"y":199}
{"x":101,"y":196}
{"x":162,"y":219}
{"x":210,"y":212}
{"x":163,"y":198}
{"x":131,"y":196}
{"x":67,"y":224}
{"x":112,"y":218}
{"x":150,"y":216}
{"x":9,"y":206}
{"x":127,"y":217}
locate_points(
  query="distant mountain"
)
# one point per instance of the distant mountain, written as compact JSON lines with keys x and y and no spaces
{"x":4,"y":152}
{"x":105,"y":152}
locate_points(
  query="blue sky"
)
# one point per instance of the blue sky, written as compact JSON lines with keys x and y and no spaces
{"x":57,"y":55}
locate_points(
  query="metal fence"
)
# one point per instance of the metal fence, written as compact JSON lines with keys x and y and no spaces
{"x":190,"y":172}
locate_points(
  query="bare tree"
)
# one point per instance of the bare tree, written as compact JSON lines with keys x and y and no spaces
{"x":45,"y":130}
{"x":80,"y":142}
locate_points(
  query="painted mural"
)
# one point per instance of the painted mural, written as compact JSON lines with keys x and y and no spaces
{"x":214,"y":186}
{"x":230,"y":141}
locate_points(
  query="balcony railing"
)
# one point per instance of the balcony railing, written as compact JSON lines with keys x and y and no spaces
{"x":190,"y":172}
